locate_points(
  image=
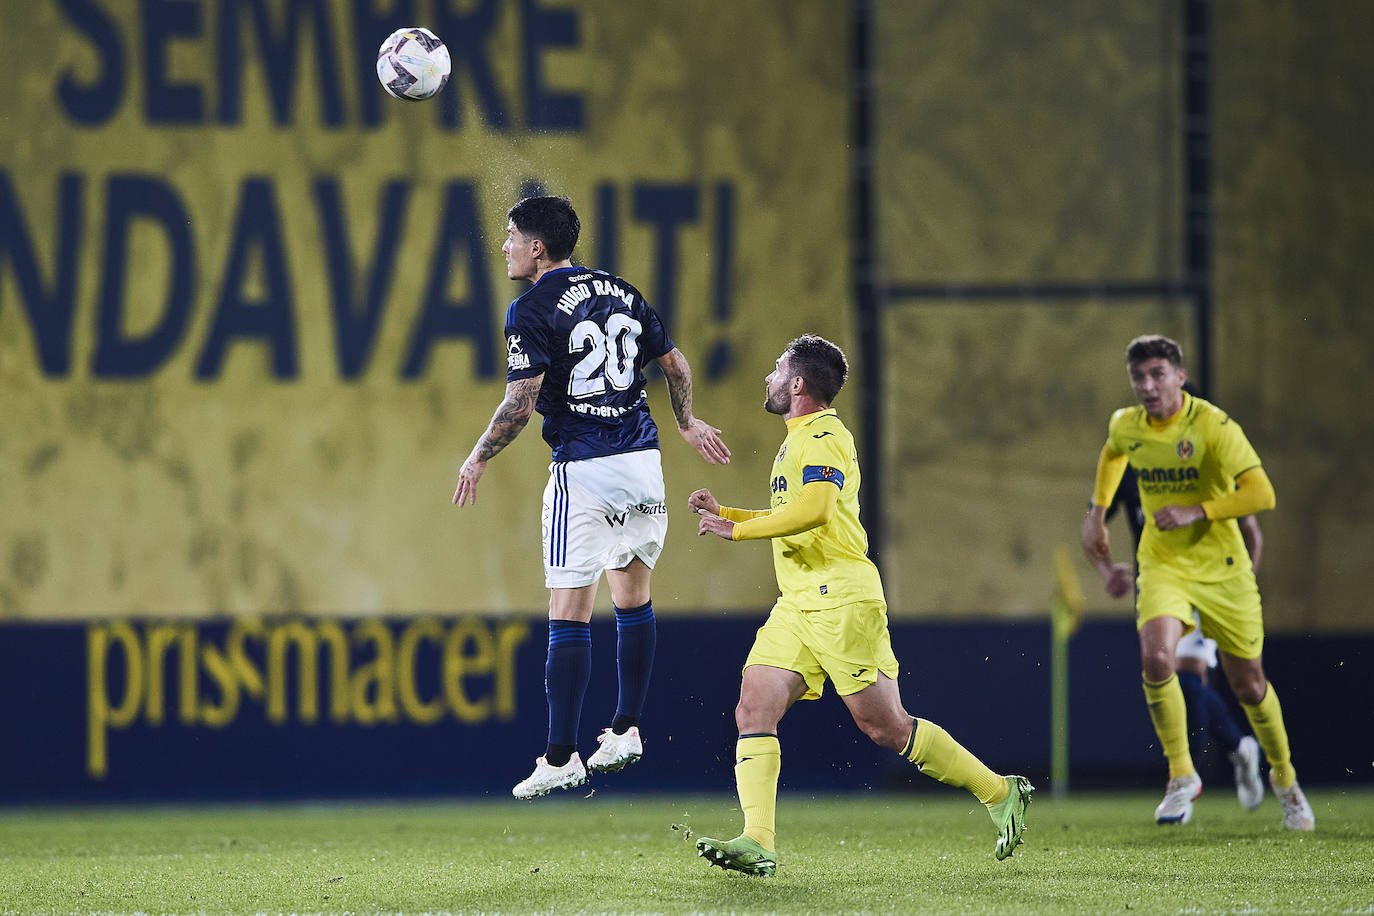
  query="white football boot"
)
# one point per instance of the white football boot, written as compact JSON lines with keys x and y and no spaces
{"x":1179,"y":795}
{"x":1245,"y":759}
{"x":616,"y":751}
{"x":1297,"y":813}
{"x":546,"y":778}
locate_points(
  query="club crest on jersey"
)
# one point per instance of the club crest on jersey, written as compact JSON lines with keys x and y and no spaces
{"x":516,"y":358}
{"x":1185,"y":449}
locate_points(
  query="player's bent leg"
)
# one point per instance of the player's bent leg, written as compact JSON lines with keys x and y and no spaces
{"x":1261,"y":706}
{"x":547,"y":778}
{"x":635,"y":647}
{"x":939,"y":756}
{"x":1169,"y":715}
{"x":741,"y":854}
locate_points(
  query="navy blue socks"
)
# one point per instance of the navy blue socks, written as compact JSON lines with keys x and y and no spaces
{"x":566,"y":672}
{"x":636,"y":639}
{"x":1207,"y":715}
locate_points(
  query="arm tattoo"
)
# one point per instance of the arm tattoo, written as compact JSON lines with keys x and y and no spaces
{"x":510,"y":417}
{"x":678,"y":374}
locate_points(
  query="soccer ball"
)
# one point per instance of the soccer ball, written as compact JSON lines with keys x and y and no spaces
{"x":413,"y":64}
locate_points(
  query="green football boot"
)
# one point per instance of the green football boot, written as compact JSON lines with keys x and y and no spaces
{"x":1010,"y":816}
{"x":739,"y":854}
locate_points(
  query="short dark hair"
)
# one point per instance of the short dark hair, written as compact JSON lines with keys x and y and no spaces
{"x":1154,"y":346}
{"x":552,"y":220}
{"x":820,"y":364}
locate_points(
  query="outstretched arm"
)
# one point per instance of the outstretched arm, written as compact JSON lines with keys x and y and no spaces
{"x":815,"y":506}
{"x":510,"y":417}
{"x":701,"y":435}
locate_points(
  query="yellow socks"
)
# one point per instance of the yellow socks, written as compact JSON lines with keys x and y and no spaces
{"x":1169,"y":713}
{"x":758,"y":759}
{"x":940,"y":757}
{"x":1266,"y":719}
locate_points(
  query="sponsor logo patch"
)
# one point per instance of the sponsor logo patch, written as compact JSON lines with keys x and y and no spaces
{"x":516,"y":358}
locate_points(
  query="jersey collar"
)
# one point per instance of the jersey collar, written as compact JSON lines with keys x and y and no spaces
{"x":1165,"y":424}
{"x":805,"y":418}
{"x":555,"y":270}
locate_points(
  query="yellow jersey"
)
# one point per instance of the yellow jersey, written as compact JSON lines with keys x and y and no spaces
{"x":1194,"y":456}
{"x":827,"y":566}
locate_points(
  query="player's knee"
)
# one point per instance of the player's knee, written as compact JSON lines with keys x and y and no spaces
{"x":885,"y":733}
{"x":751,"y":718}
{"x":1251,"y":689}
{"x":1157,"y":664}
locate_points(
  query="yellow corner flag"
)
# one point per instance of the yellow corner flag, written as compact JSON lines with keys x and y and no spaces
{"x":1066,"y":607}
{"x":1066,"y":611}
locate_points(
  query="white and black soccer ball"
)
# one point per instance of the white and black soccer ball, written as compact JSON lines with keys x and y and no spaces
{"x":413,"y":64}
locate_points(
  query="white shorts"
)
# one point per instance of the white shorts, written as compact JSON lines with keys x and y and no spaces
{"x":1195,"y":645}
{"x":601,"y":513}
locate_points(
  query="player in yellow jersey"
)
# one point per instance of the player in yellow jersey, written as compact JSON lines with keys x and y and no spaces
{"x":829,"y":622}
{"x":1197,"y":474}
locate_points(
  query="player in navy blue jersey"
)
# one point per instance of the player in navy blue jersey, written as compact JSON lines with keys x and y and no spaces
{"x":577,"y":343}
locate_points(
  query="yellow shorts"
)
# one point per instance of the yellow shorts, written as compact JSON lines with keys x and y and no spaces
{"x":1229,"y":610}
{"x":849,"y":644}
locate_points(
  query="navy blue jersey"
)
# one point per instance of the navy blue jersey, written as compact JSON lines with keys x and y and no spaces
{"x":591,"y":334}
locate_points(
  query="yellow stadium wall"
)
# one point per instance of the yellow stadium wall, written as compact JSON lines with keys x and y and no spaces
{"x":1025,"y":144}
{"x":1295,"y":331}
{"x":707,"y":148}
{"x":258,"y":464}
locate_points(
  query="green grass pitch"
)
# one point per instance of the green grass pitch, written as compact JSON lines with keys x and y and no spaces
{"x":922,"y":852}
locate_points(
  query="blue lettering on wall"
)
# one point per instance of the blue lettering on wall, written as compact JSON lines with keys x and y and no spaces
{"x":255,"y":296}
{"x":466,"y":35}
{"x":272,"y":318}
{"x":545,"y":110}
{"x":94,"y":103}
{"x":117,"y":355}
{"x":665,"y":207}
{"x":49,"y":311}
{"x":607,"y":219}
{"x":166,"y":102}
{"x":470,"y":318}
{"x":280,"y":53}
{"x":355,"y":324}
{"x":287,"y":37}
{"x":369,"y":30}
{"x":721,"y":356}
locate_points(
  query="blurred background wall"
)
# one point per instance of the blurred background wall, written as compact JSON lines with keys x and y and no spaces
{"x":250,"y":307}
{"x":1031,"y":160}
